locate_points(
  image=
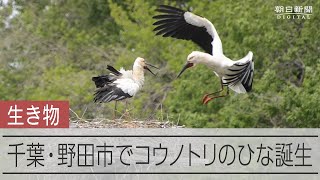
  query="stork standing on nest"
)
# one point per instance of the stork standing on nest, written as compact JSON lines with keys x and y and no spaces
{"x":120,"y":85}
{"x":176,"y":23}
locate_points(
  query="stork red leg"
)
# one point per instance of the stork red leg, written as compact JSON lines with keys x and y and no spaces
{"x":126,"y":113}
{"x":115,"y":110}
{"x":126,"y":104}
{"x":214,"y":97}
{"x":207,"y":97}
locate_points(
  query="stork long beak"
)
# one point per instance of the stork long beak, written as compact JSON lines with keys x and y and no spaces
{"x":151,"y":65}
{"x":186,"y":66}
{"x":146,"y":67}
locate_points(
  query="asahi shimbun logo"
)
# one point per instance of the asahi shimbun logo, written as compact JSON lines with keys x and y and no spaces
{"x":293,"y":12}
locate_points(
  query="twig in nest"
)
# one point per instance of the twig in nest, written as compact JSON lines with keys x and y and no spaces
{"x":75,"y":114}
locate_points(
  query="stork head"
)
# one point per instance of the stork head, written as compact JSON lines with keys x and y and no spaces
{"x":192,"y":60}
{"x":140,"y":62}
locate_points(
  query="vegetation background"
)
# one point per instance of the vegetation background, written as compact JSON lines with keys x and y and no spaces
{"x":50,"y":49}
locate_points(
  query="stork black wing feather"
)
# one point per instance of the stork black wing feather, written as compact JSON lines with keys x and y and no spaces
{"x":240,"y":72}
{"x":163,"y":10}
{"x":110,"y":93}
{"x":113,"y":70}
{"x":171,"y":23}
{"x":166,"y":16}
{"x":164,"y":21}
{"x":102,"y":80}
{"x":168,"y":25}
{"x":172,"y":28}
{"x":176,"y":33}
{"x":165,"y":30}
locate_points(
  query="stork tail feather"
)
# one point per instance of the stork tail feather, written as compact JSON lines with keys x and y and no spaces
{"x":240,"y":76}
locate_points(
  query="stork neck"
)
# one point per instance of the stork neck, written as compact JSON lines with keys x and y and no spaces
{"x":138,"y":74}
{"x":206,"y":59}
{"x":210,"y":61}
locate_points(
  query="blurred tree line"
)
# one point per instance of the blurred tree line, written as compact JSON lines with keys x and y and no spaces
{"x":50,"y":49}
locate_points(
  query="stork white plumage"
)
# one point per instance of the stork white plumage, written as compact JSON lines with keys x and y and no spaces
{"x":120,"y":85}
{"x":176,"y":23}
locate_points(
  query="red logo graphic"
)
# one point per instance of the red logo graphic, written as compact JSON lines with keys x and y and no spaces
{"x":34,"y":114}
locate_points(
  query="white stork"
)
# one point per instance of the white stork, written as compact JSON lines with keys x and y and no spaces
{"x":176,"y":23}
{"x":120,"y":85}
